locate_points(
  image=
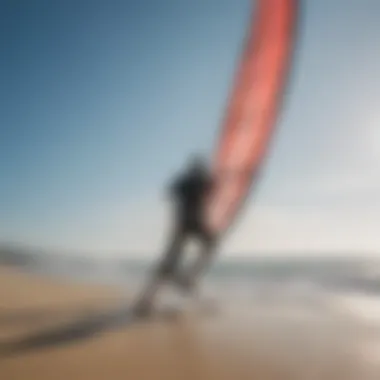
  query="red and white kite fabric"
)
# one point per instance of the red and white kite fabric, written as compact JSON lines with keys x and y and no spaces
{"x":253,"y":107}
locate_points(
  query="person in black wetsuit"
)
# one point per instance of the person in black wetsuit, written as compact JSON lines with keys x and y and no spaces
{"x":189,"y":192}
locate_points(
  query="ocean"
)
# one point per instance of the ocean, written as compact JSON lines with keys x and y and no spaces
{"x":324,"y":274}
{"x":351,"y":284}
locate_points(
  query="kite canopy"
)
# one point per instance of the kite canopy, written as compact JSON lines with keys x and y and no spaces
{"x":253,"y":107}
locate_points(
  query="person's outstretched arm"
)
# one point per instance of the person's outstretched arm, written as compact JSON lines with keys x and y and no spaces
{"x":174,"y":187}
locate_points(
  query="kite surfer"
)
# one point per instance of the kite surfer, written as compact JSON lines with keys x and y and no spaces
{"x":189,"y":191}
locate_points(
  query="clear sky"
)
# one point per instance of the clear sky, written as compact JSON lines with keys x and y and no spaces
{"x":100,"y":101}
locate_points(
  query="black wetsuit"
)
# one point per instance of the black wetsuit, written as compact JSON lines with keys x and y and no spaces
{"x":189,"y":193}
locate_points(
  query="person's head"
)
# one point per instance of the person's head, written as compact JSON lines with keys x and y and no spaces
{"x":197,"y":164}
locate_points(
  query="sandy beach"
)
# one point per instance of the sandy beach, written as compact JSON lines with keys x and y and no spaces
{"x":192,"y":345}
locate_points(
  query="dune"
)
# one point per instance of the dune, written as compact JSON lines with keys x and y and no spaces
{"x":225,"y":344}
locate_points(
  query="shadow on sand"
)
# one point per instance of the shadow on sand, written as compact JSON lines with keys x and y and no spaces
{"x":28,"y":316}
{"x":78,"y":330}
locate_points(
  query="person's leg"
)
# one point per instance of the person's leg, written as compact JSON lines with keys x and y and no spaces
{"x":208,"y":246}
{"x":168,"y":266}
{"x":165,"y":270}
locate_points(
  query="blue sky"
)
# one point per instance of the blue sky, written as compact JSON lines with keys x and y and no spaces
{"x":102,"y":100}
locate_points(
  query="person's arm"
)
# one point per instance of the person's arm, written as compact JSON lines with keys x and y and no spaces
{"x":174,"y":187}
{"x":211,"y":183}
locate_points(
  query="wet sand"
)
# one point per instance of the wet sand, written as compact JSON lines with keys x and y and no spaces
{"x":192,"y":345}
